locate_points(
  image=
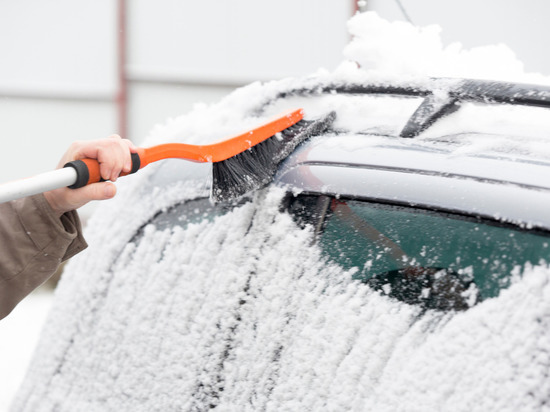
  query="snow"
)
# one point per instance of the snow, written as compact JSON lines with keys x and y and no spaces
{"x":241,"y":313}
{"x":19,"y":335}
{"x":398,"y":49}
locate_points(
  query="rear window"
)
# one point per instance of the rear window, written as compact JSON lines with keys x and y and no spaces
{"x":437,"y":260}
{"x":184,"y":214}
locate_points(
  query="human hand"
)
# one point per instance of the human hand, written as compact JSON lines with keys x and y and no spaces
{"x":114,"y":157}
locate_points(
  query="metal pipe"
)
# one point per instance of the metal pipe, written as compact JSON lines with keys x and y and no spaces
{"x":43,"y":182}
{"x":57,"y":95}
{"x":122,"y":95}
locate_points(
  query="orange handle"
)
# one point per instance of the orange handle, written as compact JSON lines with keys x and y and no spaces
{"x":87,"y":170}
{"x":221,"y":151}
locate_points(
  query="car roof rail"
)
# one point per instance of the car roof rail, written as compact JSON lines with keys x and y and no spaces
{"x":442,"y":96}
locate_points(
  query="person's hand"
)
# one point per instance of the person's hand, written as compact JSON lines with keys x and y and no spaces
{"x":114,"y":157}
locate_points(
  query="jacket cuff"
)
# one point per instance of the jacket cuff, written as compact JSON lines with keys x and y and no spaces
{"x":60,"y":237}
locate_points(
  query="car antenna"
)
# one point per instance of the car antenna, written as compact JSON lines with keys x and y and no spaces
{"x":404,"y":11}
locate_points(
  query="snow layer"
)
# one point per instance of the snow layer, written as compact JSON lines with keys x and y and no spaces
{"x":19,"y":334}
{"x":241,"y":313}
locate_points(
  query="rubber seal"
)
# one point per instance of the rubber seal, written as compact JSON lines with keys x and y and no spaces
{"x":82,"y":173}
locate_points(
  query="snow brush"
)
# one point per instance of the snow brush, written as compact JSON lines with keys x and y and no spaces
{"x":241,"y":157}
{"x":254,"y":168}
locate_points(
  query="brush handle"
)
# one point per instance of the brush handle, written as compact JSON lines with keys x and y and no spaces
{"x":87,"y":170}
{"x":37,"y":184}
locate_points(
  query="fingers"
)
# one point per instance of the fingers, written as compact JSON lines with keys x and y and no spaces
{"x":113,"y":155}
{"x":96,"y":191}
{"x":64,"y":200}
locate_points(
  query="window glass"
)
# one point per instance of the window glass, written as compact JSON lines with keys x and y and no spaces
{"x":371,"y":113}
{"x":438,"y":260}
{"x":185,"y":213}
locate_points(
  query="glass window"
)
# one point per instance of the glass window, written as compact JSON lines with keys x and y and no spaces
{"x":185,"y":213}
{"x":436,"y":260}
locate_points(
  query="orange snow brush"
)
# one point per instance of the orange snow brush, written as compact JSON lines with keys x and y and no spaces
{"x":88,"y":169}
{"x":240,"y":164}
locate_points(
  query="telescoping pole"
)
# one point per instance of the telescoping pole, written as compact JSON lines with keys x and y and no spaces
{"x":37,"y":184}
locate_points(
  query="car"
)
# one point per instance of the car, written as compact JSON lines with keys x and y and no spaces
{"x":398,"y":260}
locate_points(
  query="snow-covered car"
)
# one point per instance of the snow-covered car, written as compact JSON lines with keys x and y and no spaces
{"x":398,"y":261}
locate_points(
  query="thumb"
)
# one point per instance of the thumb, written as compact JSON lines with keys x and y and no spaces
{"x":65,"y":199}
{"x":96,"y":191}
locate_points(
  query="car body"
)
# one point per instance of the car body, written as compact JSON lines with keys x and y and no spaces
{"x":398,"y":261}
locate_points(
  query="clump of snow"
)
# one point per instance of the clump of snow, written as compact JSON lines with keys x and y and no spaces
{"x":399,"y":49}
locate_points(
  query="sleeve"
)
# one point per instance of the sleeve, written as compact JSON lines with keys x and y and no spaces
{"x":34,"y":242}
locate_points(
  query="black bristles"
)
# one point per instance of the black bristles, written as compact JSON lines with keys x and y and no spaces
{"x":255,"y":167}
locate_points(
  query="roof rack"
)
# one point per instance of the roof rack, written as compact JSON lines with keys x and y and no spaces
{"x":441,"y":96}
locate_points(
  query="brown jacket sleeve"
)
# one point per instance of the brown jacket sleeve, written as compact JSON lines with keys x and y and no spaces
{"x":33,"y":243}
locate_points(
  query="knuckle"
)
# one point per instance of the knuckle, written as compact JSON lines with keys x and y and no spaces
{"x":109,"y":145}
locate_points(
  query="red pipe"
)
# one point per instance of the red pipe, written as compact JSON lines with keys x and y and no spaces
{"x":122,"y":95}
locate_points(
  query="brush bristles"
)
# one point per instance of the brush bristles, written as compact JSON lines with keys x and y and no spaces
{"x":255,"y":167}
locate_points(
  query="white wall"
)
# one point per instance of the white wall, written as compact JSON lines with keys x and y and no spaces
{"x":58,"y":46}
{"x":235,"y":41}
{"x":56,"y":80}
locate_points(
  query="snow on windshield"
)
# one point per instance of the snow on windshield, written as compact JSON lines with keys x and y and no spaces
{"x":241,"y":313}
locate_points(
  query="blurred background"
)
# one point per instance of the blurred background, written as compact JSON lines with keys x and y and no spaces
{"x":78,"y":70}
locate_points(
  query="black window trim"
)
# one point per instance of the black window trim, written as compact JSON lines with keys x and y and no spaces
{"x":450,"y":213}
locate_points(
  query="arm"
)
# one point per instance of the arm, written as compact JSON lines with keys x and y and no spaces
{"x":35,"y":240}
{"x":39,"y":232}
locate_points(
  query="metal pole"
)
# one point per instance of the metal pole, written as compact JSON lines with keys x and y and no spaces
{"x":122,"y":95}
{"x":40,"y":183}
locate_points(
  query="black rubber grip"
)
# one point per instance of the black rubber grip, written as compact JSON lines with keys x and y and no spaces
{"x":82,"y":173}
{"x":136,"y":163}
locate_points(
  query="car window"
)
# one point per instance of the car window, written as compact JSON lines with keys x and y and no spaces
{"x":372,"y":113}
{"x":183,"y":214}
{"x":522,"y":123}
{"x":434,"y":259}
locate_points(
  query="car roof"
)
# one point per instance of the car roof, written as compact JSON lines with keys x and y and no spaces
{"x":389,"y":171}
{"x":391,"y":167}
{"x":509,"y":186}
